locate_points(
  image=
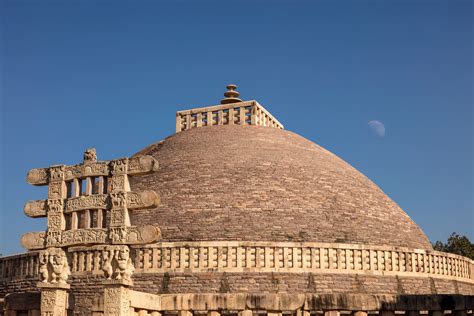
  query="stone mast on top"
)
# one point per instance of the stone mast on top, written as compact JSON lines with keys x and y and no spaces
{"x":231,"y":95}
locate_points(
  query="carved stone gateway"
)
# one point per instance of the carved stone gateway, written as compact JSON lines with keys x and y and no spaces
{"x":89,"y":204}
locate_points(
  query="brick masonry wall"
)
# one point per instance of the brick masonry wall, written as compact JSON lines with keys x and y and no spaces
{"x":265,"y":184}
{"x":86,"y":290}
{"x":18,"y":286}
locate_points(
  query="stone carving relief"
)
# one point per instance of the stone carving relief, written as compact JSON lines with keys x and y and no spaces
{"x":55,"y":190}
{"x":72,"y":172}
{"x":115,"y":235}
{"x":54,"y":267}
{"x":55,"y":206}
{"x":118,"y":199}
{"x":119,"y":166}
{"x":90,"y":155}
{"x":96,"y":169}
{"x":116,"y":301}
{"x":84,"y":236}
{"x":53,"y":239}
{"x":53,"y":302}
{"x":142,"y":164}
{"x":117,"y":263}
{"x":134,"y":235}
{"x":56,"y":173}
{"x":117,"y":217}
{"x":143,"y":199}
{"x":55,"y":222}
{"x":117,"y":183}
{"x":96,"y":201}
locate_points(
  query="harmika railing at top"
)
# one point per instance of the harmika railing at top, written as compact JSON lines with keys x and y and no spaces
{"x":240,"y":113}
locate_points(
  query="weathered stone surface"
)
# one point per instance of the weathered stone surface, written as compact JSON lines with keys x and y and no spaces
{"x":34,"y":240}
{"x":248,"y":182}
{"x":203,"y":301}
{"x":275,"y":302}
{"x":38,"y":176}
{"x":36,"y":208}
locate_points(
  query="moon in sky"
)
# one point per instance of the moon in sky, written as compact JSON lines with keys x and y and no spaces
{"x":378,"y":128}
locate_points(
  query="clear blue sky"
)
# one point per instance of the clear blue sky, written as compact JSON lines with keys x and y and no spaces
{"x":111,"y":74}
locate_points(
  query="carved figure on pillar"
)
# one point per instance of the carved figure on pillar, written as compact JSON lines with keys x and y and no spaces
{"x":54,"y":266}
{"x":117,"y":263}
{"x":125,"y":266}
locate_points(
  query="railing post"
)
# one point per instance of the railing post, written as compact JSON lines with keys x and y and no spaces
{"x":54,"y":298}
{"x":178,"y":123}
{"x":253,"y":115}
{"x":242,"y":115}
{"x":199,"y":120}
{"x":117,"y":297}
{"x":231,"y":116}
{"x":210,"y":119}
{"x":245,"y":312}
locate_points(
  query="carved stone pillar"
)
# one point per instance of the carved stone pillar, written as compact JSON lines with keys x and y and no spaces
{"x":54,"y":272}
{"x":54,"y":299}
{"x":117,"y":297}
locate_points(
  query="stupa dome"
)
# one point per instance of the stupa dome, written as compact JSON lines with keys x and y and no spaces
{"x":255,"y":183}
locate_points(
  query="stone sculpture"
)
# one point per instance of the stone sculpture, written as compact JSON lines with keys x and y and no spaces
{"x":54,"y":266}
{"x":117,"y":263}
{"x":90,"y":155}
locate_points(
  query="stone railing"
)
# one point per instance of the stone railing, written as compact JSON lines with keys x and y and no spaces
{"x":300,"y":257}
{"x":259,"y":257}
{"x":242,"y":113}
{"x":20,"y":267}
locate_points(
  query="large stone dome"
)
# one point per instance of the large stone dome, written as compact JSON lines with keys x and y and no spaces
{"x":255,"y":183}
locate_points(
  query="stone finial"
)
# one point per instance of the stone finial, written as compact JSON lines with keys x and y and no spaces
{"x":231,"y":95}
{"x":90,"y":155}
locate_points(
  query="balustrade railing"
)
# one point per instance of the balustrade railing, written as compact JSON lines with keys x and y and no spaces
{"x":258,"y":257}
{"x":299,"y":257}
{"x":19,"y":267}
{"x":242,"y":113}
